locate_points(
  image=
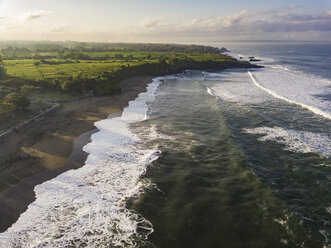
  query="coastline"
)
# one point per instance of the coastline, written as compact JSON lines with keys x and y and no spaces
{"x":54,"y":146}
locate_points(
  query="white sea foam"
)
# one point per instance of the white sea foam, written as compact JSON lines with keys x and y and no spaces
{"x":210,"y":92}
{"x":211,"y":76}
{"x":308,"y":92}
{"x":280,"y":67}
{"x":86,"y":207}
{"x":302,"y":73}
{"x":294,"y":140}
{"x":234,"y":86}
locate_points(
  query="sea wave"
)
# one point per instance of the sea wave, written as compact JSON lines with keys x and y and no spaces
{"x":87,"y":207}
{"x":294,"y":140}
{"x":234,"y":86}
{"x":307,"y":92}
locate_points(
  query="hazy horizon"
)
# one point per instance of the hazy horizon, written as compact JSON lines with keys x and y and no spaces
{"x":192,"y":42}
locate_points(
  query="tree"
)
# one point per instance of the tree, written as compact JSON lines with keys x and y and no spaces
{"x":17,"y":100}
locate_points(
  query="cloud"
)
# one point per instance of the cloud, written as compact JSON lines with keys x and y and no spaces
{"x":36,"y":14}
{"x":281,"y":23}
{"x":22,"y":23}
{"x":245,"y":22}
{"x":153,"y":22}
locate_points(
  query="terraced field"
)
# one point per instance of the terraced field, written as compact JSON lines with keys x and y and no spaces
{"x":28,"y":70}
{"x":34,"y":69}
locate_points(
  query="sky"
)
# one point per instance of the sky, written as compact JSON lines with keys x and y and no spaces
{"x":165,"y":21}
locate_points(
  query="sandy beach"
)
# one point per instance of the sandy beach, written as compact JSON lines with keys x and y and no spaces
{"x":53,"y":146}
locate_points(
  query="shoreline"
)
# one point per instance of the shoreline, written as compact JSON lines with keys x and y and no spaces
{"x":54,"y":146}
{"x":58,"y":148}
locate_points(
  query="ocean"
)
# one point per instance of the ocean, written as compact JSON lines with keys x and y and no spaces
{"x":234,"y":158}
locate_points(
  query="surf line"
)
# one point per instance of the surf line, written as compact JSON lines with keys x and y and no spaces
{"x":312,"y":109}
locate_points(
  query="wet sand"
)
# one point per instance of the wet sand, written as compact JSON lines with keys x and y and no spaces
{"x":53,"y":146}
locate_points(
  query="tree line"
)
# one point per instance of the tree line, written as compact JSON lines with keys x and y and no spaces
{"x":76,"y":50}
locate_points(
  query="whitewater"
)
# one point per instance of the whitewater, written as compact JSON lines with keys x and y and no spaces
{"x":303,"y":90}
{"x":87,"y":206}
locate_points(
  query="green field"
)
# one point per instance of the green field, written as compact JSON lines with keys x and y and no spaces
{"x":44,"y":70}
{"x":27,"y":69}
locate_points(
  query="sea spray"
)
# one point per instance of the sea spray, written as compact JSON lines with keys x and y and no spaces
{"x":87,"y":207}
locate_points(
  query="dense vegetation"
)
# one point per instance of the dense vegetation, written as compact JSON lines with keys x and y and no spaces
{"x":77,"y":68}
{"x":16,"y":99}
{"x":25,"y":49}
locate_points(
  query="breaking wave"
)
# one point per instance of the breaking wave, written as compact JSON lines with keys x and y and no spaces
{"x":87,"y":207}
{"x":312,"y":94}
{"x":294,"y":140}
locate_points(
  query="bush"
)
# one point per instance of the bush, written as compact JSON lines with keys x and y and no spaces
{"x":17,"y":100}
{"x":27,"y":88}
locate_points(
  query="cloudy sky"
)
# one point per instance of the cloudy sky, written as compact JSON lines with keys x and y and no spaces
{"x":165,"y":21}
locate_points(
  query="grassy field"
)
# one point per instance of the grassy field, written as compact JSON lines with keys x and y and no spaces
{"x":27,"y":70}
{"x":33,"y":69}
{"x":57,"y":70}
